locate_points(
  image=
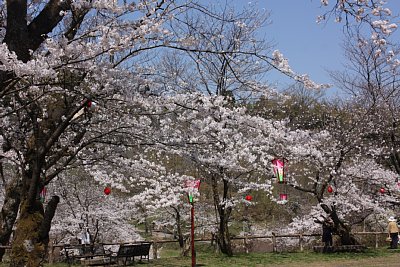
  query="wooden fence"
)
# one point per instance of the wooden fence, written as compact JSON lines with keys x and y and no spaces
{"x":277,"y":242}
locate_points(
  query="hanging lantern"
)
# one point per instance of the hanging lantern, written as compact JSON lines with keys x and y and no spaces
{"x":192,"y":189}
{"x":249,"y":198}
{"x":107,"y":191}
{"x":42,"y":195}
{"x":382,"y":190}
{"x":89,"y":104}
{"x":283,"y":198}
{"x":279,"y":165}
{"x":330,"y":189}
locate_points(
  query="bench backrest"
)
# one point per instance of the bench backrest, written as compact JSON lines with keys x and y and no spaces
{"x":134,"y":250}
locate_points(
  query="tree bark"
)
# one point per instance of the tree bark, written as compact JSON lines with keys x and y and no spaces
{"x":340,"y":228}
{"x":46,"y":225}
{"x":27,"y":250}
{"x":9,"y":212}
{"x":223,"y":235}
{"x":179,"y":233}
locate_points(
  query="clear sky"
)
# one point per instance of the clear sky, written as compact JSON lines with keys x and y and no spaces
{"x":310,"y":47}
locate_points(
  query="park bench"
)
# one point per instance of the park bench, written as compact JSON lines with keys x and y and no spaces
{"x":127,"y":253}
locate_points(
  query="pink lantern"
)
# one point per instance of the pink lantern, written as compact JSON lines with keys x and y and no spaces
{"x":382,"y":190}
{"x":283,"y":197}
{"x":192,"y":186}
{"x":42,"y":194}
{"x":279,"y":165}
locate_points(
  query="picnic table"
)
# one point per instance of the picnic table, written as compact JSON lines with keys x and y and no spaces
{"x":88,"y":255}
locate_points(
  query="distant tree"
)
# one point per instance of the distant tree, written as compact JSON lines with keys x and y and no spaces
{"x":85,"y":206}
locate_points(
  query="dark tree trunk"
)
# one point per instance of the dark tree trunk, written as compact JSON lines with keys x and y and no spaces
{"x":340,"y":228}
{"x":9,"y":212}
{"x":179,"y":234}
{"x":223,"y":235}
{"x":48,"y":217}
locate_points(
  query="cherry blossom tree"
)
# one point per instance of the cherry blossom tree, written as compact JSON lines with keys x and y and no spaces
{"x":232,"y":151}
{"x":74,"y":88}
{"x":84,"y":206}
{"x":53,"y":77}
{"x":373,"y":18}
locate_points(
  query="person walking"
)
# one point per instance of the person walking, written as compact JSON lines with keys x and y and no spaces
{"x":393,"y":231}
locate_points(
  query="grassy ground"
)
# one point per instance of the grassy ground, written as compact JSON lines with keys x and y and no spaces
{"x":205,"y":257}
{"x":371,"y":258}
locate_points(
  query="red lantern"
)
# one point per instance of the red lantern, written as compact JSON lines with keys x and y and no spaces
{"x":382,"y":190}
{"x":107,"y":190}
{"x":89,"y":104}
{"x":283,"y":197}
{"x":330,"y":189}
{"x":249,"y":198}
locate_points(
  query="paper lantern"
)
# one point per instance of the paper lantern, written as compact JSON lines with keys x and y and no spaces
{"x":283,"y":197}
{"x":249,"y":198}
{"x":279,"y":165}
{"x":193,"y":188}
{"x":89,"y":104}
{"x":330,"y":189}
{"x":382,"y":190}
{"x":42,"y":195}
{"x":107,"y":190}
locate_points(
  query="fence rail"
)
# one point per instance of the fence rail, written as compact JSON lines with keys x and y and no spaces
{"x":371,"y":239}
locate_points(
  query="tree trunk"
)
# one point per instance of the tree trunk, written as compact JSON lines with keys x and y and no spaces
{"x":32,"y":234}
{"x":340,"y":228}
{"x":9,"y":212}
{"x":27,"y":250}
{"x":179,"y":233}
{"x":224,"y":237}
{"x":46,"y":225}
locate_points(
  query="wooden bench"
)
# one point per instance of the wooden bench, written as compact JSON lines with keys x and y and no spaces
{"x":127,"y":253}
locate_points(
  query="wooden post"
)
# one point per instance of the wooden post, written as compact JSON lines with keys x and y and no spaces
{"x":274,"y":249}
{"x":155,"y":248}
{"x":301,"y":242}
{"x":51,"y":252}
{"x":376,"y":240}
{"x":246,"y":247}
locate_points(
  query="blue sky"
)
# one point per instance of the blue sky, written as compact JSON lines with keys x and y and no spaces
{"x":310,"y":47}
